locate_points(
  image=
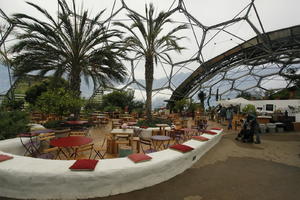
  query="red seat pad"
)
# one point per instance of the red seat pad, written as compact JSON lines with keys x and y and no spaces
{"x":139,"y":157}
{"x":5,"y":157}
{"x":84,"y":164}
{"x":200,"y":138}
{"x":182,"y":148}
{"x":209,"y":132}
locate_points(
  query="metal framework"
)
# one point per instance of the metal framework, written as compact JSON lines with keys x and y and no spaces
{"x":259,"y":59}
{"x":281,"y":50}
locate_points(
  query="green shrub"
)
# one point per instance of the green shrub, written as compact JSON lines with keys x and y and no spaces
{"x":250,"y":109}
{"x":12,"y":123}
{"x":58,"y":101}
{"x":153,"y":121}
{"x":54,"y":124}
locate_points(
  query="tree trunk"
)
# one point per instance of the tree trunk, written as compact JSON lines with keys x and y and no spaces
{"x":75,"y":82}
{"x":149,"y":84}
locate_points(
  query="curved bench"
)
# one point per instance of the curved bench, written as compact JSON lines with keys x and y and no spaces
{"x":32,"y":178}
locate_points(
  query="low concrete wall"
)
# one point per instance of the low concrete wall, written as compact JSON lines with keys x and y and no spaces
{"x":32,"y":178}
{"x":13,"y":146}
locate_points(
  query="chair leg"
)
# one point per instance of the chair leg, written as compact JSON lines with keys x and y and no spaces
{"x":98,"y":153}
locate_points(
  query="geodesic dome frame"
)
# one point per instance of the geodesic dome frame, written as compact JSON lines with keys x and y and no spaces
{"x":246,"y":66}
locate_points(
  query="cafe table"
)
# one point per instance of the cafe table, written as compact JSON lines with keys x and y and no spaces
{"x":160,"y":142}
{"x":112,"y":148}
{"x":70,"y":142}
{"x":162,"y":128}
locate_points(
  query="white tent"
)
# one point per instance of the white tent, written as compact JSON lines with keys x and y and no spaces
{"x":235,"y":102}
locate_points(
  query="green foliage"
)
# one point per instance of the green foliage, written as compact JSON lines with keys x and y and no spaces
{"x":111,"y":108}
{"x":13,"y":123}
{"x":90,"y":107}
{"x":193,"y":107}
{"x":147,"y":40}
{"x":250,"y":109}
{"x":180,"y":105}
{"x":59,"y":102}
{"x":283,"y":94}
{"x":121,"y":100}
{"x":35,"y":91}
{"x":17,"y":104}
{"x":73,"y":47}
{"x":53,"y":124}
{"x":201,"y":97}
{"x":153,"y":121}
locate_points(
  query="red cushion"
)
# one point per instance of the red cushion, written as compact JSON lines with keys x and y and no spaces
{"x":139,"y":157}
{"x":84,"y":164}
{"x":5,"y":157}
{"x":182,"y":148}
{"x":209,"y":132}
{"x":144,"y":127}
{"x":200,"y":138}
{"x":215,"y":128}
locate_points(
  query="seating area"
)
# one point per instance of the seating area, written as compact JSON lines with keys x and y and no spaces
{"x":114,"y":138}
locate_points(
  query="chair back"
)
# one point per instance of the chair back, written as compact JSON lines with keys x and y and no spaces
{"x":137,"y":132}
{"x":82,"y":132}
{"x":146,"y":142}
{"x":46,"y":136}
{"x":84,"y":148}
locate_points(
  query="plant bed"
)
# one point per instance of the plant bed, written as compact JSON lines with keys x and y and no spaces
{"x":153,"y":121}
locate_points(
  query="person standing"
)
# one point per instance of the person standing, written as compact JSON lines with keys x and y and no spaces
{"x":229,"y":117}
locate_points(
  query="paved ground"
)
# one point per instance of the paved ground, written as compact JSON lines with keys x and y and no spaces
{"x":234,"y":171}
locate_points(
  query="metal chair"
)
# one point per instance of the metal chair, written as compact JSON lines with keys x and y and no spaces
{"x":146,"y":142}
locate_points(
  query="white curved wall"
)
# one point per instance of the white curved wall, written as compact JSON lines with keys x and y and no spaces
{"x":31,"y":178}
{"x":13,"y":146}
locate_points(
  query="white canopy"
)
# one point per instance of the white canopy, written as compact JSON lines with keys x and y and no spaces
{"x":235,"y":102}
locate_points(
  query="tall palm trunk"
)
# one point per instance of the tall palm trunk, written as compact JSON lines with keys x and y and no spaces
{"x":149,"y":85}
{"x":75,"y":82}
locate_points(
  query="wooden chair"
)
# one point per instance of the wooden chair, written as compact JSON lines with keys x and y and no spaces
{"x":177,"y":135}
{"x":81,"y":149}
{"x":47,"y":152}
{"x":102,"y":149}
{"x":82,"y":132}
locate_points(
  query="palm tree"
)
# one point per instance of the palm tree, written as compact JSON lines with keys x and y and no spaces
{"x":201,"y":97}
{"x":72,"y":46}
{"x":153,"y":45}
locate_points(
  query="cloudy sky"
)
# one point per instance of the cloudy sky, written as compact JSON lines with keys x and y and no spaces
{"x":274,"y":15}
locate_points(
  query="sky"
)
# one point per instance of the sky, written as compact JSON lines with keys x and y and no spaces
{"x":273,"y":14}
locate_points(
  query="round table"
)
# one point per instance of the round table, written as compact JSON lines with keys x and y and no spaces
{"x":162,"y":128}
{"x":159,"y":140}
{"x":70,"y":142}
